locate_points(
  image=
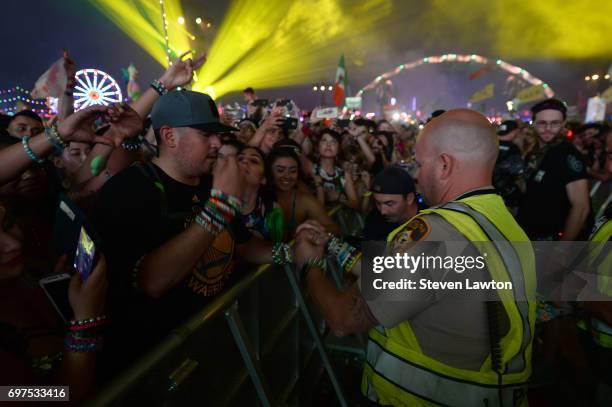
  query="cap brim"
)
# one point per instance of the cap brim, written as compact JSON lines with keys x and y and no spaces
{"x":214,"y":127}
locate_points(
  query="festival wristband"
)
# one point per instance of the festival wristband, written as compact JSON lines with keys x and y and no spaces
{"x":313,"y":262}
{"x":159,"y":87}
{"x":25,"y":142}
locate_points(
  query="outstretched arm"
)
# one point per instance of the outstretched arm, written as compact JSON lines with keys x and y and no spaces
{"x":180,"y":73}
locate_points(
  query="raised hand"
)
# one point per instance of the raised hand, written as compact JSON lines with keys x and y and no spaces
{"x":124,"y":121}
{"x":88,"y":298}
{"x":180,"y":73}
{"x":79,"y":125}
{"x":310,"y":240}
{"x":227,"y":176}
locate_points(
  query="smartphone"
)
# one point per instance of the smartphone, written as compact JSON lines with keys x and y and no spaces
{"x":86,"y":256}
{"x":56,"y":288}
{"x":289,"y":123}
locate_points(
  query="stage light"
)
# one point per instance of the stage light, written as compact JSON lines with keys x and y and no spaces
{"x":265,"y":43}
{"x":607,"y":76}
{"x":198,"y":20}
{"x":587,"y":78}
{"x":330,"y":88}
{"x":142,"y":20}
{"x":315,"y":88}
{"x":210,"y":91}
{"x":595,"y":77}
{"x":259,"y":43}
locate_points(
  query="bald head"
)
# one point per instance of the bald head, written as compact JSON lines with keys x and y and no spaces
{"x":464,"y":134}
{"x":457,"y":152}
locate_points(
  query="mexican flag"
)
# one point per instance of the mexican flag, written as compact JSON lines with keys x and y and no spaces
{"x":340,"y":84}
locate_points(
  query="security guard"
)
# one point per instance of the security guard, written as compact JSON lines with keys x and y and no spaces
{"x":439,"y":348}
{"x":598,"y":322}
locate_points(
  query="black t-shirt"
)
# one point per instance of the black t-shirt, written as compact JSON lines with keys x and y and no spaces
{"x":508,"y":170}
{"x":545,"y":206}
{"x":139,"y":210}
{"x":376,"y":227}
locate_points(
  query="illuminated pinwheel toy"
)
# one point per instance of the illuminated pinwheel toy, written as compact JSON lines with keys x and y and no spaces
{"x":95,"y":87}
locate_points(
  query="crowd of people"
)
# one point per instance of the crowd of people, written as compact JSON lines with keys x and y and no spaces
{"x":182,"y":199}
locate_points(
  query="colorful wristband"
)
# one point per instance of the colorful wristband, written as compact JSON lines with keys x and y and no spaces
{"x":25,"y":142}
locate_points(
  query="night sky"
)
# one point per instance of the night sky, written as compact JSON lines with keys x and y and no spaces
{"x":36,"y":31}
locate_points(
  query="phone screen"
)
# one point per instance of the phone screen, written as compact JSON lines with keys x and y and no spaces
{"x":85,"y":255}
{"x":56,"y":288}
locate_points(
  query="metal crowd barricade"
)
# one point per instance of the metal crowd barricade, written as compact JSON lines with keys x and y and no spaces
{"x":174,"y":372}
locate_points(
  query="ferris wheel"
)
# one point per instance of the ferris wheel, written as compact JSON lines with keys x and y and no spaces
{"x":95,"y":87}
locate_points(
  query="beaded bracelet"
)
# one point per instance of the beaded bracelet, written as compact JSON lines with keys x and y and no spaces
{"x":131,"y":144}
{"x":222,"y":208}
{"x":73,"y":344}
{"x":159,"y":87}
{"x":25,"y":142}
{"x":89,"y":325}
{"x":312,"y":263}
{"x":205,"y":221}
{"x":231,"y":200}
{"x":53,"y":137}
{"x":212,"y":210}
{"x":281,"y":254}
{"x":206,"y":224}
{"x":98,"y":319}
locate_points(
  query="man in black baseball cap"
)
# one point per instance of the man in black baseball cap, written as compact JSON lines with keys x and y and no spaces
{"x":172,"y":228}
{"x":186,"y":126}
{"x":395,"y":199}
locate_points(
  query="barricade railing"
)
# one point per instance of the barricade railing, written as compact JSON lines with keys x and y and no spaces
{"x":247,"y":338}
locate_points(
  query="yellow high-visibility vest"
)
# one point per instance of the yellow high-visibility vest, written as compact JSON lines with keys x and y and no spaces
{"x":398,"y":373}
{"x":600,"y":262}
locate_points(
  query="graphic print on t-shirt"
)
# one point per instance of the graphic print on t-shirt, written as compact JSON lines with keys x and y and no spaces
{"x":215,"y":266}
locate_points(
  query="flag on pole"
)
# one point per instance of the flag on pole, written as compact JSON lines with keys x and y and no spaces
{"x":340,"y":83}
{"x":482,"y":94}
{"x":52,"y":82}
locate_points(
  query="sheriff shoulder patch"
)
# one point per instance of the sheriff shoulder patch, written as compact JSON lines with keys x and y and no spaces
{"x":417,"y":229}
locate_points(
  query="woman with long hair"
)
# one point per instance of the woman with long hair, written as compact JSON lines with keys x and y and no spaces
{"x":262,"y":216}
{"x":32,"y":348}
{"x":331,"y":182}
{"x":298,"y":204}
